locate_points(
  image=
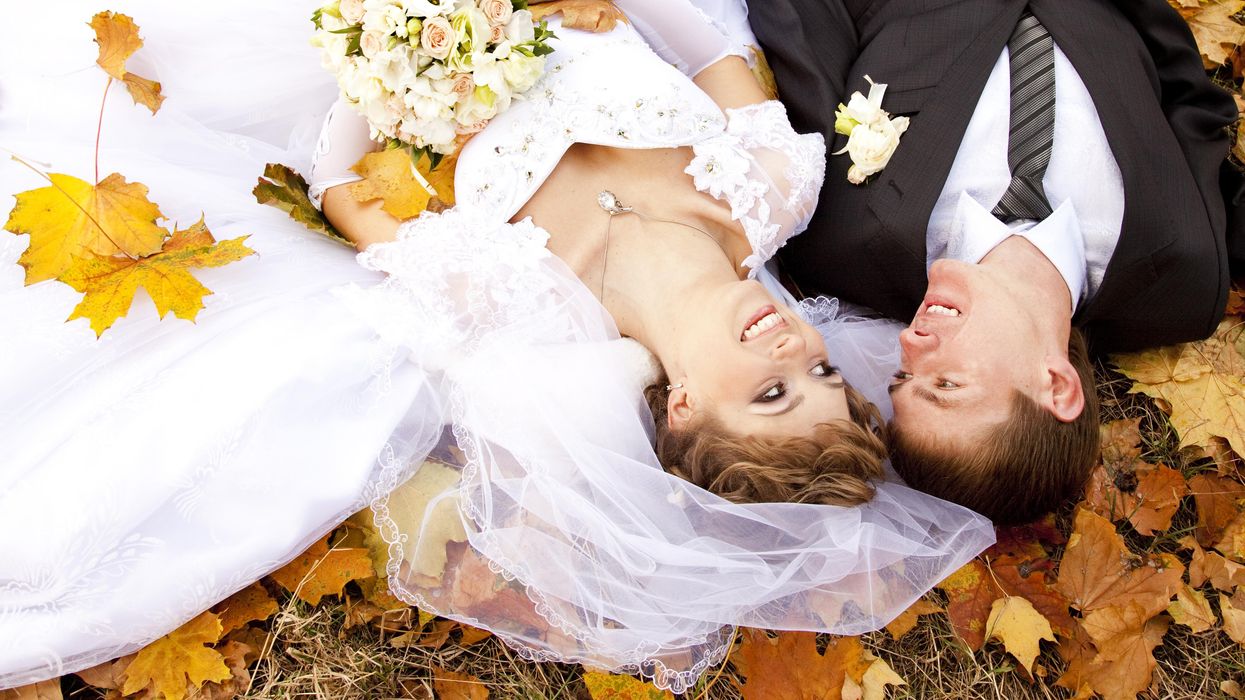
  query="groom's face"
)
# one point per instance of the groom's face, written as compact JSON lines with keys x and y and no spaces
{"x":971,"y":343}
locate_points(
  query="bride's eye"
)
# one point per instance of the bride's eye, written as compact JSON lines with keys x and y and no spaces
{"x":774,"y":393}
{"x":823,"y":369}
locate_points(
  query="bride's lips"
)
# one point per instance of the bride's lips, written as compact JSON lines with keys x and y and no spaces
{"x":761,"y":313}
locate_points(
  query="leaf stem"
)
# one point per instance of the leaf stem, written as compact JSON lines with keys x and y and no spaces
{"x":99,"y":127}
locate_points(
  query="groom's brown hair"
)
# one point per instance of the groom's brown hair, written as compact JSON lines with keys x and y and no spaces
{"x":1026,"y":467}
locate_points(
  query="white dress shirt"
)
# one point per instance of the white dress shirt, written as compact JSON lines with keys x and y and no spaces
{"x":1082,"y":184}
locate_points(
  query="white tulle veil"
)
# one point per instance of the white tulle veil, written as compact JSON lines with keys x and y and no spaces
{"x":505,"y":454}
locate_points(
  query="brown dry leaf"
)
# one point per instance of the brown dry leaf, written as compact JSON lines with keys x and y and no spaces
{"x":1233,"y":611}
{"x":763,"y":73}
{"x":71,"y":218}
{"x":182,"y":656}
{"x":1159,"y":491}
{"x":1232,"y":689}
{"x":1191,"y":609}
{"x":247,"y":605}
{"x":286,"y":190}
{"x":908,"y":618}
{"x":425,"y":511}
{"x":589,"y":15}
{"x":43,"y":690}
{"x":608,"y":686}
{"x":318,"y":571}
{"x":110,"y":282}
{"x":1216,"y":32}
{"x":1099,"y":571}
{"x":970,"y":593}
{"x":457,"y":686}
{"x":1206,"y":394}
{"x":1219,"y":502}
{"x":1078,"y":651}
{"x":481,"y":593}
{"x":1126,"y":638}
{"x":389,"y":176}
{"x":1206,"y":566}
{"x":109,"y":675}
{"x":472,"y":635}
{"x":1014,"y":622}
{"x":118,"y":39}
{"x":788,"y":667}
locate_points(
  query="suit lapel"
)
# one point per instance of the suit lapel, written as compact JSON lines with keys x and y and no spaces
{"x":905,"y":192}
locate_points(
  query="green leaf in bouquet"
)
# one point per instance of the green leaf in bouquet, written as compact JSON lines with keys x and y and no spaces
{"x":286,"y":190}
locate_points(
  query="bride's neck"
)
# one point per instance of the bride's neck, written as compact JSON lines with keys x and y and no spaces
{"x":659,"y":275}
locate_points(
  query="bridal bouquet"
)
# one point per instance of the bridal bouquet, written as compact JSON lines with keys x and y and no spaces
{"x":424,"y":72}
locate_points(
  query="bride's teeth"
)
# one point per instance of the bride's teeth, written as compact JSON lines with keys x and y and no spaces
{"x":942,"y":310}
{"x":767,"y":322}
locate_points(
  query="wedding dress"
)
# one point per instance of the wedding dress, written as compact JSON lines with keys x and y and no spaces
{"x":151,"y":473}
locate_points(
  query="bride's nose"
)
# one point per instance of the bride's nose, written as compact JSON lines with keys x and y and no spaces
{"x":788,"y":346}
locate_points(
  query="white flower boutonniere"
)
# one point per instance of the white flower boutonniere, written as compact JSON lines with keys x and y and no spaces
{"x":872,"y":135}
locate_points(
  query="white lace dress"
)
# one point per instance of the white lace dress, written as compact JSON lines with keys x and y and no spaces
{"x":150,"y":474}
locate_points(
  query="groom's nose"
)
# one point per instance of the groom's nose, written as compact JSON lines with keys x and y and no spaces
{"x":916,"y":342}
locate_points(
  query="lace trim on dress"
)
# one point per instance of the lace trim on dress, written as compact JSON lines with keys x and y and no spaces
{"x":769,"y":174}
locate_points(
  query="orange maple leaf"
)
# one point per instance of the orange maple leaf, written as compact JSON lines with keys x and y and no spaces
{"x":247,"y":605}
{"x":1219,"y":502}
{"x":319,"y":571}
{"x":451,"y":685}
{"x":389,"y":176}
{"x":1125,"y":637}
{"x":1098,"y":570}
{"x":788,"y":667}
{"x":970,"y":594}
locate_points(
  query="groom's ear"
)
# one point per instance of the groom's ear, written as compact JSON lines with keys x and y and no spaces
{"x":679,"y":410}
{"x":1062,"y":394}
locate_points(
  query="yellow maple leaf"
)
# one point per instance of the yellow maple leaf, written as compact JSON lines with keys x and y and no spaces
{"x":1213,"y":27}
{"x":1201,"y":381}
{"x":1233,"y":610}
{"x":428,"y":518}
{"x":1020,"y":627}
{"x":118,"y":39}
{"x":588,"y":15}
{"x":1191,"y":609}
{"x":72,"y":217}
{"x":320,"y":571}
{"x":109,"y":282}
{"x":389,"y":176}
{"x":451,"y":685}
{"x":607,"y":686}
{"x":182,"y":656}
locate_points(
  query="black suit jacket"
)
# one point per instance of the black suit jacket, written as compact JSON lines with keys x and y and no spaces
{"x":1164,"y":120}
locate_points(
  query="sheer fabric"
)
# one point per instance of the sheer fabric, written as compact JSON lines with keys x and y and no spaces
{"x":156,"y":471}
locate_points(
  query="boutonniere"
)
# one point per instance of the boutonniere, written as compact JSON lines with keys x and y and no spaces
{"x":872,"y":135}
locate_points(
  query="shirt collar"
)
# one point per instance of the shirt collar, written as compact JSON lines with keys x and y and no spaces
{"x":975,"y":232}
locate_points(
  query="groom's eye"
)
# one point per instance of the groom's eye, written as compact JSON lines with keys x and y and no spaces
{"x":946,"y":384}
{"x":901,"y":376}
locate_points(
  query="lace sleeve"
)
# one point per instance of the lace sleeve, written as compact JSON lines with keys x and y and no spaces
{"x":344,"y":138}
{"x":769,"y":174}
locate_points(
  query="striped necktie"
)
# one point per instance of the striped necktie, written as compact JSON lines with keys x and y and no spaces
{"x":1031,"y":135}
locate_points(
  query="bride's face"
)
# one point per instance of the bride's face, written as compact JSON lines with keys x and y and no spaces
{"x":757,"y":367}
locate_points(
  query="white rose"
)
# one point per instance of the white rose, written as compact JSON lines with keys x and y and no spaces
{"x":521,"y":71}
{"x":371,"y":43}
{"x":497,"y":11}
{"x":438,"y":38}
{"x":351,"y":11}
{"x":871,"y":146}
{"x":520,"y":28}
{"x":472,"y":32}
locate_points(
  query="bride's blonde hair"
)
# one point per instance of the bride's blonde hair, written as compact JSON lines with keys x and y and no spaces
{"x":831,"y":465}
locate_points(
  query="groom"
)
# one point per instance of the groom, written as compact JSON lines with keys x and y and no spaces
{"x":1060,"y":174}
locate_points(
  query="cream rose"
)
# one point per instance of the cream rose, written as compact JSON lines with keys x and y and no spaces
{"x":438,"y":38}
{"x":496,"y":33}
{"x":462,"y":86}
{"x":871,"y":146}
{"x":371,"y":43}
{"x":497,"y":11}
{"x":351,"y":11}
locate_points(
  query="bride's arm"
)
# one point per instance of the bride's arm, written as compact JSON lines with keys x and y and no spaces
{"x":684,"y":36}
{"x":343,"y":141}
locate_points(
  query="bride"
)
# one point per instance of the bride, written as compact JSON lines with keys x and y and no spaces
{"x":152,"y":473}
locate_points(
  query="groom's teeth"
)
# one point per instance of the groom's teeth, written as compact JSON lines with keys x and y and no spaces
{"x":942,"y":310}
{"x":767,"y":322}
